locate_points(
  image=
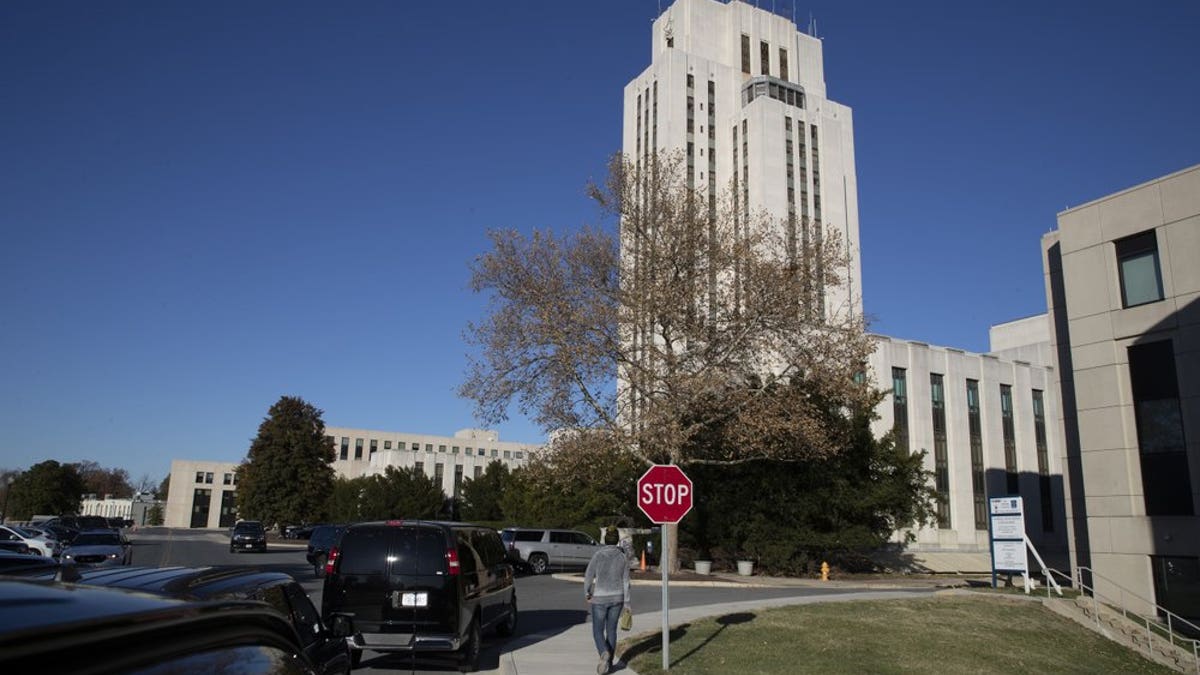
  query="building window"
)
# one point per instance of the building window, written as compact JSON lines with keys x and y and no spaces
{"x":454,"y":449}
{"x":495,"y":453}
{"x":507,"y":454}
{"x":764,"y":58}
{"x":941,"y":460}
{"x":1043,"y":459}
{"x":458,"y":478}
{"x":429,"y":447}
{"x":1166,"y":482}
{"x":374,"y":446}
{"x":900,"y":407}
{"x":1137,"y":263}
{"x":199,"y":476}
{"x":1013,"y":484}
{"x":387,"y":445}
{"x":783,"y":64}
{"x":482,"y":452}
{"x":420,"y":467}
{"x":478,"y":472}
{"x":978,"y":473}
{"x":441,"y":448}
{"x":228,"y":479}
{"x":416,"y":447}
{"x":344,"y":453}
{"x":208,"y":478}
{"x":358,"y":446}
{"x":439,"y":472}
{"x":519,"y":454}
{"x":746,"y":54}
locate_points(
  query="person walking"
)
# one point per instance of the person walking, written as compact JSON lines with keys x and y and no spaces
{"x":606,"y":588}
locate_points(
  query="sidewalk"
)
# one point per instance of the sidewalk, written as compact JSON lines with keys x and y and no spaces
{"x":571,"y":652}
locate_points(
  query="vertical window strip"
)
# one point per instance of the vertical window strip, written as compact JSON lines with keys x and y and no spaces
{"x":941,"y":460}
{"x":978,"y":473}
{"x":900,"y":407}
{"x":1043,"y":460}
{"x":1010,"y":440}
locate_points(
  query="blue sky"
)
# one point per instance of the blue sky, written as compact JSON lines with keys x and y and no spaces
{"x":207,"y":205}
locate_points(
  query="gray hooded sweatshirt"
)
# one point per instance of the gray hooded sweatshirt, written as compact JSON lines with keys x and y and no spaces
{"x":607,"y":577}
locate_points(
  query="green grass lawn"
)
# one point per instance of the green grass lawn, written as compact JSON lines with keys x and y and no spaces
{"x":974,"y":633}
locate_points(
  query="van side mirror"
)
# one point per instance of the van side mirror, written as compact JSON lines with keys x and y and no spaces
{"x":341,"y":625}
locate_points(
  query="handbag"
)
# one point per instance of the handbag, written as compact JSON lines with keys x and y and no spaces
{"x":626,"y":620}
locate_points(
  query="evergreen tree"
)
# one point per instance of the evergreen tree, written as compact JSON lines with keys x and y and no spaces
{"x":48,"y":488}
{"x":287,"y":475}
{"x":399,"y":493}
{"x":481,"y":496}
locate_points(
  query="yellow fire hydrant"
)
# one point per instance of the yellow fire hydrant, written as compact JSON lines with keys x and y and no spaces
{"x":824,"y":571}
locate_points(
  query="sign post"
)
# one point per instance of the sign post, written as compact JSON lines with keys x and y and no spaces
{"x":664,"y":494}
{"x":1008,"y":537}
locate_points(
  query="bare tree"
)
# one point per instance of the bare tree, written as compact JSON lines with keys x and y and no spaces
{"x":698,"y":312}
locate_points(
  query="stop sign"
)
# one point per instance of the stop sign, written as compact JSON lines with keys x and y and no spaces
{"x":664,"y":493}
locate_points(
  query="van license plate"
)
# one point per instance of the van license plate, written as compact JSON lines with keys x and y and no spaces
{"x":414,"y":599}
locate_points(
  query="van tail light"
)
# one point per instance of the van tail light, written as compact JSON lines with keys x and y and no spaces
{"x":452,"y":567}
{"x":331,"y":561}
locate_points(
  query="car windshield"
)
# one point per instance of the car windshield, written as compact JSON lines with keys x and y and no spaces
{"x":98,"y":539}
{"x":23,"y":532}
{"x":248,"y":528}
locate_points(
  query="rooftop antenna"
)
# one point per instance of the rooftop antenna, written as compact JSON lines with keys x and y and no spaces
{"x":812,"y":25}
{"x":793,"y":12}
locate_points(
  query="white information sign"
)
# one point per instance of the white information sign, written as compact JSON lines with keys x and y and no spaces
{"x":1010,"y":556}
{"x":1008,"y":527}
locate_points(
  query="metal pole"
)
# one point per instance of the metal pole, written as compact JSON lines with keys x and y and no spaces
{"x":664,"y":562}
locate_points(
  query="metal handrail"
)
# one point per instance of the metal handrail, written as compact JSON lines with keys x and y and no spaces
{"x":1173,"y":619}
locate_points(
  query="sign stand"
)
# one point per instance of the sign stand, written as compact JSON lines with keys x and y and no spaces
{"x":664,"y":494}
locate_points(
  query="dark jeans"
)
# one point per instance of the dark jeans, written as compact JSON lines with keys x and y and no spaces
{"x":604,"y":626}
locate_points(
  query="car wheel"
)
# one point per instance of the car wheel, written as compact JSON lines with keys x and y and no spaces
{"x":470,"y":650}
{"x":538,"y":564}
{"x":319,"y":566}
{"x":509,"y":625}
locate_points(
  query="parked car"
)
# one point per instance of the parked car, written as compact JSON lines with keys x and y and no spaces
{"x":248,"y":535}
{"x":323,"y":539}
{"x":323,"y":651}
{"x":541,"y":550}
{"x":18,"y":547}
{"x":38,"y":544}
{"x":99,"y":547}
{"x":62,"y":533}
{"x":26,"y":564}
{"x":83,"y":629}
{"x":420,"y":586}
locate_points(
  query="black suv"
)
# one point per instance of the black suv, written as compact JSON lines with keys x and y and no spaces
{"x":420,"y":586}
{"x":320,"y":543}
{"x":248,"y":535}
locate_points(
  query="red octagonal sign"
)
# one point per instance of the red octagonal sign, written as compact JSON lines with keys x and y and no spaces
{"x":664,"y":493}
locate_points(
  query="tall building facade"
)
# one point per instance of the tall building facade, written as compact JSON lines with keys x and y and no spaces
{"x":741,"y":93}
{"x":1123,"y":291}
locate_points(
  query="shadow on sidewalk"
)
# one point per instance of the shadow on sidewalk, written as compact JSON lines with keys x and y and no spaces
{"x":652,"y":643}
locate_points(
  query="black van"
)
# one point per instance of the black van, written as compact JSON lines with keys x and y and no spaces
{"x":420,"y":586}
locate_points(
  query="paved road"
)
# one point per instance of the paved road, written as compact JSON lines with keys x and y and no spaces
{"x":548,"y":606}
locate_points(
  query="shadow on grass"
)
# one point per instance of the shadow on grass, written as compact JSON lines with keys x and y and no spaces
{"x":652,"y":644}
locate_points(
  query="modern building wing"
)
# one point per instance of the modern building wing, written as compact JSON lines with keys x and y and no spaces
{"x":203,"y":494}
{"x":1123,"y":290}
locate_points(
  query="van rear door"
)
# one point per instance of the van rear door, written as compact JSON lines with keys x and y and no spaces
{"x":361,"y":583}
{"x":422,"y":594}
